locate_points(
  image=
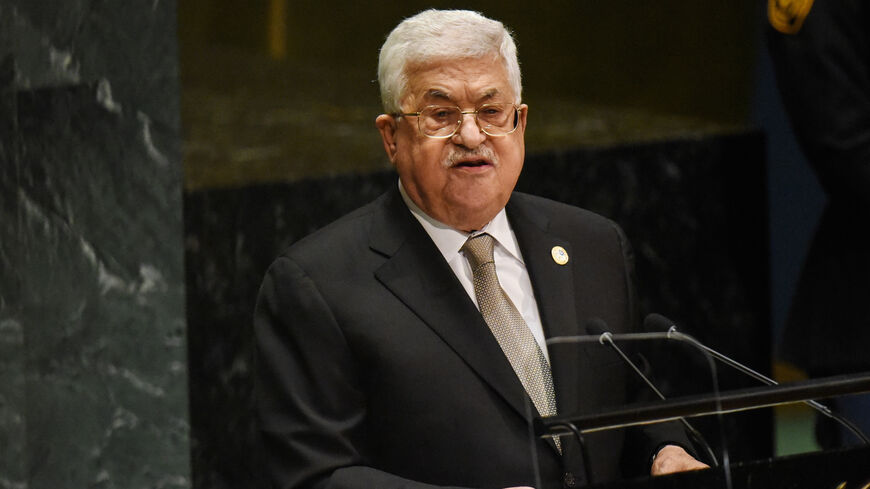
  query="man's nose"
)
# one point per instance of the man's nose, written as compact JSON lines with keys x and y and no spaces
{"x":469,"y":133}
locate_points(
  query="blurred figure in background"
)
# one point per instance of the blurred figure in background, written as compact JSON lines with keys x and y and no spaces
{"x":821,"y":55}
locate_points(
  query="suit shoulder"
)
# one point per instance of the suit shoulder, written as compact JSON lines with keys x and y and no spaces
{"x":563,"y":215}
{"x":345,"y":234}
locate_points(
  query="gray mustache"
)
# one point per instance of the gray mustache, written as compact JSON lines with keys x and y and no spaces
{"x":481,"y":152}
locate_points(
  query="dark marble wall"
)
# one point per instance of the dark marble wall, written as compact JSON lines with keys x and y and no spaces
{"x":93,"y":377}
{"x":231,"y":236}
{"x":694,"y":209}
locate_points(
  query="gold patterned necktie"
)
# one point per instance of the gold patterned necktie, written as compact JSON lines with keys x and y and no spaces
{"x":509,"y":328}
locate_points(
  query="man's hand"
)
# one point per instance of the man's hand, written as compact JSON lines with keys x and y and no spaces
{"x":673,"y":458}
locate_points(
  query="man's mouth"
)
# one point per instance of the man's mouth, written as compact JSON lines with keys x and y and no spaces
{"x":471,"y":163}
{"x":479,"y":159}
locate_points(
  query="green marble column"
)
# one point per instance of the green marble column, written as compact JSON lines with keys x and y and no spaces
{"x":93,"y":373}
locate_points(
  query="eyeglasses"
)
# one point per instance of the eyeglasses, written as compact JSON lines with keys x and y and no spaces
{"x":441,"y":122}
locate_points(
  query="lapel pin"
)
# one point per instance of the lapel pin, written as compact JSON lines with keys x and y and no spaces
{"x":559,"y":254}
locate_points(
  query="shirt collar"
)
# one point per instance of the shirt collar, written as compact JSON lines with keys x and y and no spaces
{"x":449,"y":240}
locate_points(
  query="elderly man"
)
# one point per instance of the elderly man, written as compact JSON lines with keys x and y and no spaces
{"x":404,"y":344}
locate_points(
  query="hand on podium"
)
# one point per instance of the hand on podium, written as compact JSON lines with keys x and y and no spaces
{"x":673,"y":458}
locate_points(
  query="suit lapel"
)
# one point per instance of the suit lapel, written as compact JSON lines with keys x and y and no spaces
{"x":415,"y":271}
{"x":554,"y":292}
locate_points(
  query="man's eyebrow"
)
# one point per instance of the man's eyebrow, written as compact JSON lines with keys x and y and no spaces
{"x":437,"y":94}
{"x":489,"y":94}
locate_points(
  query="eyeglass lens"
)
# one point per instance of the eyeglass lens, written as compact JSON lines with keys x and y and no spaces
{"x":493,"y":119}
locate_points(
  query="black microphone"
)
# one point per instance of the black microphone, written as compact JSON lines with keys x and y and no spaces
{"x":597,"y":327}
{"x":656,"y":323}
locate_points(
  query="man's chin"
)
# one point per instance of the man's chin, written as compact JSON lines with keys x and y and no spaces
{"x":472,"y":216}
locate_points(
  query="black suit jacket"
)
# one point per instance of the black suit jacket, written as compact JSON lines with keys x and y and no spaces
{"x":375,"y":369}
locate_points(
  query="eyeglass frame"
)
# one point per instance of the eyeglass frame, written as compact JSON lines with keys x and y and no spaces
{"x":462,"y":114}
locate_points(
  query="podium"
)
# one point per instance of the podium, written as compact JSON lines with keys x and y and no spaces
{"x":832,"y":469}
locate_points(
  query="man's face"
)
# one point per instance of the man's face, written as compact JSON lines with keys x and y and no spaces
{"x":465,"y":180}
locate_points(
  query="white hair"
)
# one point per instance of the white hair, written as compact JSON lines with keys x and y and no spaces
{"x":442,"y":35}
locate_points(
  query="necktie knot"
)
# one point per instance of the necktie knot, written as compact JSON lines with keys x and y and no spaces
{"x":478,"y":250}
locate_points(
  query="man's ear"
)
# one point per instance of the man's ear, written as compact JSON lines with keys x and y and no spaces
{"x":524,"y":114}
{"x":387,"y":126}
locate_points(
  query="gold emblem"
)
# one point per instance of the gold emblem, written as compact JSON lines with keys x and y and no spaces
{"x":559,"y":254}
{"x":787,"y":16}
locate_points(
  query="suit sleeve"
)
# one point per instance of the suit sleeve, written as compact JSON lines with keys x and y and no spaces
{"x":310,"y":406}
{"x":823,"y":75}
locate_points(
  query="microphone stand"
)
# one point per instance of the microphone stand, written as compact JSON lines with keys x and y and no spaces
{"x":699,"y":439}
{"x":596,"y":324}
{"x":656,"y":320}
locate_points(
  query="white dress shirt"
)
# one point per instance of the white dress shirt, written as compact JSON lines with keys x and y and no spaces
{"x":509,"y":265}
